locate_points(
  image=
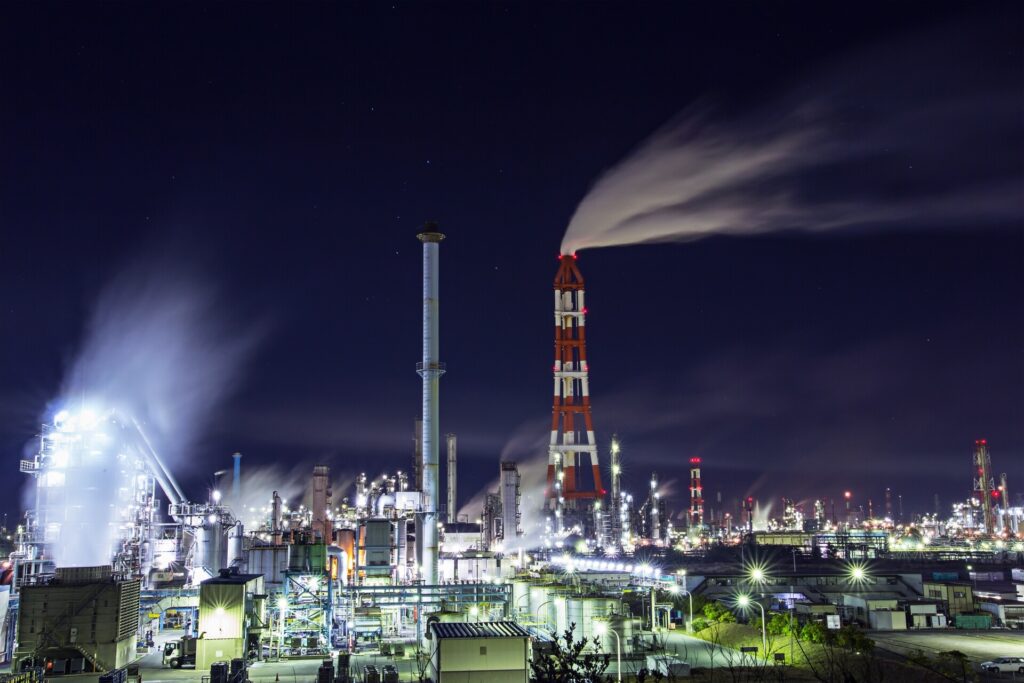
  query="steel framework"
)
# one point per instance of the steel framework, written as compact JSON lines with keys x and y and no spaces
{"x":571,"y":397}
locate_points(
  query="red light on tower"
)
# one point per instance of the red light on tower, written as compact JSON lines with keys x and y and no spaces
{"x":847,"y":495}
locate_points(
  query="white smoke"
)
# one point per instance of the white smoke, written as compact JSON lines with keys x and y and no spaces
{"x":160,"y":347}
{"x":528,"y":449}
{"x":883,"y":139}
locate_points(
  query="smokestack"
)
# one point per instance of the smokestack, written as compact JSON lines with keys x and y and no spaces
{"x":452,"y":490}
{"x":655,"y":513}
{"x":697,"y":495}
{"x":984,"y":484}
{"x":236,"y":483}
{"x":275,"y":520}
{"x":1004,"y":490}
{"x":321,"y":502}
{"x":430,"y":369}
{"x":615,"y":513}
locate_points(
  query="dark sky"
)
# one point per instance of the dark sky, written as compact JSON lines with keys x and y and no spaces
{"x":284,"y":155}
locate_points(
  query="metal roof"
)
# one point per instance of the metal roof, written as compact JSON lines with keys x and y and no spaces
{"x":486,"y":629}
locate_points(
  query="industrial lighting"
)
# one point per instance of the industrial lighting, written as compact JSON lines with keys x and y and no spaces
{"x":216,"y":496}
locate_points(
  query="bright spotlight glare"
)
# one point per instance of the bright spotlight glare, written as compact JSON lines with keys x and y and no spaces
{"x":743,"y":601}
{"x":216,"y":496}
{"x":600,"y":628}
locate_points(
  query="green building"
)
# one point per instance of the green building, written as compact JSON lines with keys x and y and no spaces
{"x":232,"y":617}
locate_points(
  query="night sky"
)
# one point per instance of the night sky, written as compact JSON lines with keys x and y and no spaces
{"x":276,"y":161}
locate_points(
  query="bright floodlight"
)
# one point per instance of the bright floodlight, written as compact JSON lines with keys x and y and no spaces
{"x":757,"y":575}
{"x":282,"y":603}
{"x":600,"y":628}
{"x":743,"y":601}
{"x":474,"y":610}
{"x":674,"y":589}
{"x":216,"y":496}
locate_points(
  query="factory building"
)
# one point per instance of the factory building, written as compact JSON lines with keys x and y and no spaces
{"x":232,"y":617}
{"x":493,"y":652}
{"x":83,"y":620}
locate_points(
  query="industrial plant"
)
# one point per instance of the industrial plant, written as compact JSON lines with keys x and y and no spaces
{"x":114,"y":559}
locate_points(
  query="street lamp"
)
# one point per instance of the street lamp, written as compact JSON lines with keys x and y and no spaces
{"x":744,"y":602}
{"x":600,"y":628}
{"x":676,"y":590}
{"x":474,"y":611}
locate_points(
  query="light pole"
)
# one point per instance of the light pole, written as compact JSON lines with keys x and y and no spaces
{"x":744,"y":602}
{"x":527,"y":596}
{"x":600,"y":628}
{"x":675,"y":590}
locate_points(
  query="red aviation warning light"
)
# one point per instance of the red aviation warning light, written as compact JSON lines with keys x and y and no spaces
{"x":572,"y":429}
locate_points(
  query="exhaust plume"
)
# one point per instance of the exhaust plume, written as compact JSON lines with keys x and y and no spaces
{"x":894,"y":137}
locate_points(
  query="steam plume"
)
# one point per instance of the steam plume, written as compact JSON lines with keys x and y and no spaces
{"x":159,"y":348}
{"x":893,"y":137}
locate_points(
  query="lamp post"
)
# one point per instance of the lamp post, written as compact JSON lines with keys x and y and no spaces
{"x":527,"y":596}
{"x":676,"y":590}
{"x":600,"y":628}
{"x":744,"y":601}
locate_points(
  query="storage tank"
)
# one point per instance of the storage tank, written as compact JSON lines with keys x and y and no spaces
{"x":622,"y":625}
{"x":520,"y":596}
{"x":210,"y":552}
{"x":236,"y":551}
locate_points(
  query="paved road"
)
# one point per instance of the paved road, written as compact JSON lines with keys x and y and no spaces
{"x":977,"y":645}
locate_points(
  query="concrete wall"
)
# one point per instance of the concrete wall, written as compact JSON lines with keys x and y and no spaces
{"x":482,"y":660}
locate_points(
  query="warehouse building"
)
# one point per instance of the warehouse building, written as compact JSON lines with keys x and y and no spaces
{"x":489,"y":652}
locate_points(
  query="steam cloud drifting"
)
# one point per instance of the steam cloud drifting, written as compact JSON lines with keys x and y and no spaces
{"x":891,"y":138}
{"x":160,"y":348}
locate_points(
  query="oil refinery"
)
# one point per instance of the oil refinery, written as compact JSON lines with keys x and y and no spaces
{"x":387,"y":566}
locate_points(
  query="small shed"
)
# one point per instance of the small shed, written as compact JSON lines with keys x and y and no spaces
{"x":486,"y":652}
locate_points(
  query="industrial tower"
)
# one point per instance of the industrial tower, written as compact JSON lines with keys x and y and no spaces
{"x":571,"y":399}
{"x":696,"y":495}
{"x":984,"y":486}
{"x":430,"y":369}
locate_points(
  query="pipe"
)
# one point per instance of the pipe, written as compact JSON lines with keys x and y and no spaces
{"x":430,"y":370}
{"x":162,"y":475}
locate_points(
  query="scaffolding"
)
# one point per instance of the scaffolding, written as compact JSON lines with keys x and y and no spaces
{"x":304,"y":614}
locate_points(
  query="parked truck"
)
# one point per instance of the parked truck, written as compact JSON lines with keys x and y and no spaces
{"x":179,"y":653}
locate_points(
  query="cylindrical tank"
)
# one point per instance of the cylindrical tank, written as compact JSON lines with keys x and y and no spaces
{"x":236,"y":551}
{"x":520,"y":596}
{"x":622,"y":625}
